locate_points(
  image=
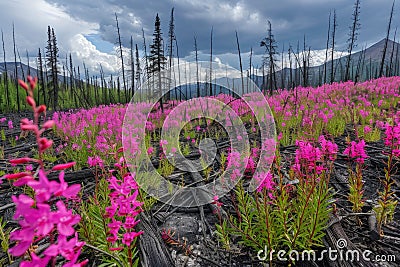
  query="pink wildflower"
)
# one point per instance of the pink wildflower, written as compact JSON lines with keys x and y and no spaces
{"x":357,"y":151}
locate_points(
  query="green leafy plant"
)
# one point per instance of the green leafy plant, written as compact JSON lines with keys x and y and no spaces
{"x":165,"y":168}
{"x":386,"y":202}
{"x":356,"y":152}
{"x":5,"y":238}
{"x":282,"y":216}
{"x":3,"y":135}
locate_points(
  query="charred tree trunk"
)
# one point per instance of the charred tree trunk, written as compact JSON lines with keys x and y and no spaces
{"x":6,"y":73}
{"x":353,"y":37}
{"x":122,"y":59}
{"x":386,"y":42}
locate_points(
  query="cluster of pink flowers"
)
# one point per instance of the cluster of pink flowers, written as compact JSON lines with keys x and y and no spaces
{"x":392,"y":138}
{"x":307,"y":158}
{"x":356,"y":151}
{"x":124,"y":208}
{"x":266,"y":183}
{"x":311,"y":158}
{"x":328,"y":148}
{"x":36,"y":216}
{"x":95,"y":161}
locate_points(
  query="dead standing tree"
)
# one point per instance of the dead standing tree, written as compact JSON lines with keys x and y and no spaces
{"x":270,"y":59}
{"x":352,"y":37}
{"x":386,"y":42}
{"x":121,"y":58}
{"x":333,"y":46}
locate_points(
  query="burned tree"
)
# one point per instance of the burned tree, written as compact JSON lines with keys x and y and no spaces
{"x":333,"y":45}
{"x":386,"y":42}
{"x":269,"y":59}
{"x":352,"y":37}
{"x":121,"y":57}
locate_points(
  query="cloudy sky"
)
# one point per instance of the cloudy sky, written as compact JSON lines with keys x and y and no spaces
{"x":87,"y":29}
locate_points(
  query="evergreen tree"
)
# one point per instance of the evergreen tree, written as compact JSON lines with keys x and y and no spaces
{"x":156,"y":59}
{"x":52,"y":69}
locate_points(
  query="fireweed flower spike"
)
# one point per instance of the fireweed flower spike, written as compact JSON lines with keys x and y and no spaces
{"x":36,"y":217}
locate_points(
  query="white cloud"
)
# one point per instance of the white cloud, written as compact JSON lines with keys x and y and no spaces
{"x":31,"y":19}
{"x":85,"y":51}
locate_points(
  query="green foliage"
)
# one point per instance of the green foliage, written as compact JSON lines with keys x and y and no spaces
{"x":280,"y":222}
{"x":12,"y":141}
{"x":223,"y":234}
{"x":166,"y":168}
{"x":356,"y":189}
{"x":93,"y":226}
{"x":5,"y":239}
{"x":185,"y":148}
{"x":3,"y":135}
{"x":387,"y":204}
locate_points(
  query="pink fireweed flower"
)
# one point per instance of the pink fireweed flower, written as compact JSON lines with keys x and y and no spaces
{"x":356,"y":151}
{"x":29,"y":167}
{"x":124,"y":209}
{"x":129,"y":237}
{"x":95,"y":161}
{"x":114,"y":227}
{"x":163,"y":143}
{"x":35,"y":216}
{"x":36,"y":261}
{"x":266,"y":181}
{"x":64,"y":166}
{"x":233,"y":159}
{"x":364,"y":113}
{"x":10,"y":124}
{"x":43,"y":188}
{"x":130,"y":222}
{"x":23,"y":204}
{"x":66,"y":191}
{"x":150,"y":150}
{"x":367,"y":129}
{"x":64,"y":247}
{"x":22,"y":160}
{"x":307,"y":157}
{"x":216,"y":201}
{"x":328,"y":148}
{"x":75,"y":147}
{"x":44,"y":144}
{"x":392,"y":135}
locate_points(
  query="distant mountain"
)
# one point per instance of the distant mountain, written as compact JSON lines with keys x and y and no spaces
{"x":366,"y":62}
{"x":22,"y":69}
